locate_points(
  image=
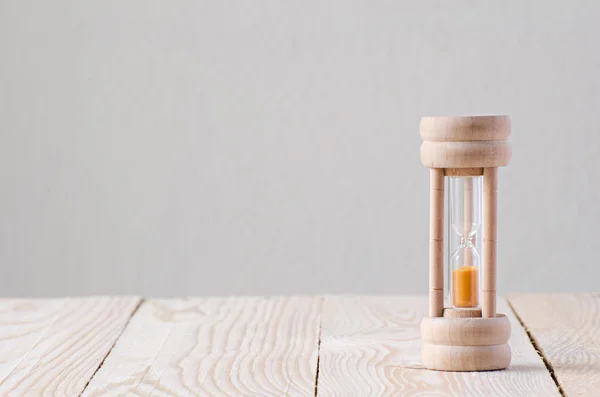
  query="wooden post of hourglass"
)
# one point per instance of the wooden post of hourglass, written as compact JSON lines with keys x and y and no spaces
{"x":436,"y":243}
{"x":457,"y":339}
{"x":490,"y":203}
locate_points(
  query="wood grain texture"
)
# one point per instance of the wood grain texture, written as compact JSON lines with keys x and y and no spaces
{"x":465,"y":128}
{"x":53,"y":347}
{"x":370,"y":346}
{"x":215,"y":347}
{"x":566,"y":328}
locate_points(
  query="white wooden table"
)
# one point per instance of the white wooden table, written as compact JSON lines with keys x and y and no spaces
{"x":282,"y":346}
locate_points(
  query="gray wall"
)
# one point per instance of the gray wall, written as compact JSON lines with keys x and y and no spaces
{"x":269,"y":147}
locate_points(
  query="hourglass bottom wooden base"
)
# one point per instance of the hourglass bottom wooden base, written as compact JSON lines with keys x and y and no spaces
{"x":465,"y":344}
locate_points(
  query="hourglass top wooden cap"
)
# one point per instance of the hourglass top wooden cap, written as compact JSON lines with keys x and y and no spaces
{"x":465,"y":142}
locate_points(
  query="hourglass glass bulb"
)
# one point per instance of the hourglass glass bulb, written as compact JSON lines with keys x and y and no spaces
{"x":464,"y":260}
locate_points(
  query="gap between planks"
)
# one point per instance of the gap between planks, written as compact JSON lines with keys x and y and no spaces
{"x":538,"y":349}
{"x":319,"y":347}
{"x":53,"y":346}
{"x":134,"y":311}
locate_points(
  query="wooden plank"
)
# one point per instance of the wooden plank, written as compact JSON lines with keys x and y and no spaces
{"x":215,"y":347}
{"x":53,"y":347}
{"x":370,"y":346}
{"x":566,"y":329}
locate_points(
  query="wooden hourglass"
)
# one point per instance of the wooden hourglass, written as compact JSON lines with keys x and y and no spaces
{"x":467,"y":334}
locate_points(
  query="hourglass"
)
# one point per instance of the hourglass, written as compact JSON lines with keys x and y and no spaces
{"x":466,"y":334}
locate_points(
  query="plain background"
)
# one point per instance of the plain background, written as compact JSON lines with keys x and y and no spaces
{"x":272,"y":147}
